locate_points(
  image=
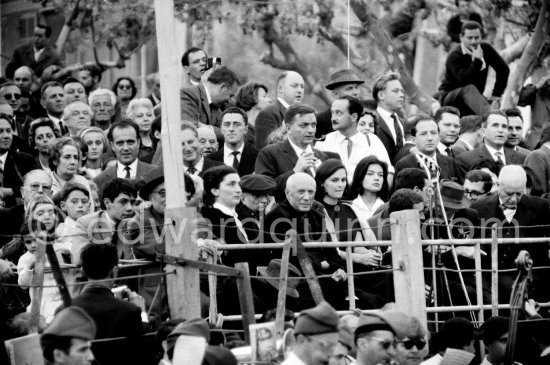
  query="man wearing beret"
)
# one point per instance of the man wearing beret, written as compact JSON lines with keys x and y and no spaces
{"x":375,"y":340}
{"x":67,"y":339}
{"x":316,"y":333}
{"x":257,"y":198}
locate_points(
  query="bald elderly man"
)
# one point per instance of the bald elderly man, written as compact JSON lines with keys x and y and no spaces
{"x":299,"y":211}
{"x":517,"y":215}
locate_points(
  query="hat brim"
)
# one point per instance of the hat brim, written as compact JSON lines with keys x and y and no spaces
{"x":334,"y":85}
{"x":454,"y":205}
{"x":146,"y":189}
{"x":290,"y":291}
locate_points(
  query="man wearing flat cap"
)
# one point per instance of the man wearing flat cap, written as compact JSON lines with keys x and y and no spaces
{"x":67,"y":339}
{"x":257,"y":198}
{"x":316,"y":332}
{"x":375,"y":340}
{"x":343,"y":82}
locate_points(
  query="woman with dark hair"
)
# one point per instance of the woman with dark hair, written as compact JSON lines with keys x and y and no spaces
{"x":252,"y":98}
{"x":125,"y":90}
{"x":369,"y":187}
{"x":343,"y":222}
{"x":367,"y":123}
{"x":65,"y":161}
{"x":42,"y":134}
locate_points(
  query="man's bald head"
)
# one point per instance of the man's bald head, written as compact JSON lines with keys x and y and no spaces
{"x":23,"y":77}
{"x":512,"y":182}
{"x":300,"y":191}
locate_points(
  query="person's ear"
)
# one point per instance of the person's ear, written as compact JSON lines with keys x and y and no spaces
{"x":107,"y":203}
{"x":215,"y":192}
{"x":62,"y":205}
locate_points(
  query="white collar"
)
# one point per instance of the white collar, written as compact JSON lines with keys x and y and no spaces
{"x":283,"y":103}
{"x":385,"y":114}
{"x":227,"y":152}
{"x":194,"y":83}
{"x":3,"y":159}
{"x":297,"y":149}
{"x":442,"y":148}
{"x":492,"y":151}
{"x":225,"y":210}
{"x":54,"y":119}
{"x":197,"y":166}
{"x":466,"y":51}
{"x":208,"y":97}
{"x":339,"y":137}
{"x":545,"y":352}
{"x":121,"y":169}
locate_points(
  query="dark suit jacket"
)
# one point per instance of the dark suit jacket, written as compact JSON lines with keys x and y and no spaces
{"x":267,"y":121}
{"x":537,"y":164}
{"x":12,"y":219}
{"x":113,"y":317}
{"x":459,"y":147}
{"x":467,"y":160}
{"x":383,"y":132}
{"x":109,"y":174}
{"x":402,"y":152}
{"x":447,"y":165}
{"x":208,"y":163}
{"x":195,"y":107}
{"x":278,"y":161}
{"x":247,"y":159}
{"x":17,"y":165}
{"x":324,"y":123}
{"x":24,"y":56}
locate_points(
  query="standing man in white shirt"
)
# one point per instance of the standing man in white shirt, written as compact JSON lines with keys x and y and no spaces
{"x":351,"y":145}
{"x":389,"y":96}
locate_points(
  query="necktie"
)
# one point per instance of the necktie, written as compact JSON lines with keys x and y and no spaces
{"x":449,"y":152}
{"x":127,"y":169}
{"x":191,"y":170}
{"x":398,"y":132}
{"x":62,"y":128}
{"x":235,"y":160}
{"x":350,"y":147}
{"x":500,"y":163}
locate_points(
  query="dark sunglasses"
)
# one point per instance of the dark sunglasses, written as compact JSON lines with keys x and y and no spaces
{"x":14,"y":96}
{"x":127,"y":87}
{"x":420,"y":344}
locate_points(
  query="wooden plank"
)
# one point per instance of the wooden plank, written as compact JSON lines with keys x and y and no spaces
{"x":351,"y":282}
{"x":494,"y":271}
{"x":283,"y":280}
{"x":407,"y":253}
{"x":205,"y":266}
{"x":183,"y":288}
{"x":308,"y":271}
{"x":38,"y":281}
{"x":479,"y":292}
{"x":245,"y":299}
{"x":212,"y":291}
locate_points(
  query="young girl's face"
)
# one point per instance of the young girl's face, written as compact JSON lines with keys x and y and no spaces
{"x":45,"y":213}
{"x":30,"y":243}
{"x":76,"y":205}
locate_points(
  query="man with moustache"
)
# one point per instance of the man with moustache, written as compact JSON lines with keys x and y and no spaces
{"x":341,"y":83}
{"x":388,"y":94}
{"x":296,"y":154}
{"x":426,"y":137}
{"x":495,"y":132}
{"x":290,"y":91}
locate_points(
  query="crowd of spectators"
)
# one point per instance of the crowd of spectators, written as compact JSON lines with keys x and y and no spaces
{"x":83,"y":164}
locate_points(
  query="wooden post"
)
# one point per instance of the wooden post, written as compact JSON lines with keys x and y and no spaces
{"x":351,"y":282}
{"x":37,"y":282}
{"x":245,"y":299}
{"x":183,"y":288}
{"x":283,"y":280}
{"x":308,"y":271}
{"x":407,"y":254}
{"x":212,"y":290}
{"x":494,"y":271}
{"x":479,"y":292}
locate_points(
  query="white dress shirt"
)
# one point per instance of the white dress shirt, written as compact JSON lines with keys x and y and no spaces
{"x":208,"y":97}
{"x":299,"y":151}
{"x":442,"y":149}
{"x":434,"y":360}
{"x":292,"y":359}
{"x":121,"y":170}
{"x":198,"y":167}
{"x":336,"y":142}
{"x":283,"y":103}
{"x":3,"y":159}
{"x":493,"y":152}
{"x":228,"y":156}
{"x":387,"y":118}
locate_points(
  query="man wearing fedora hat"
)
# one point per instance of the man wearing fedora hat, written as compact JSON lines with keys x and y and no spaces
{"x":266,"y":291}
{"x":343,"y":82}
{"x":316,"y":333}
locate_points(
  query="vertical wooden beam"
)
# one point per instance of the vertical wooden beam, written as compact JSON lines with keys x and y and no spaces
{"x":407,"y":254}
{"x":309,"y":273}
{"x":494,"y":271}
{"x":245,"y":299}
{"x":183,"y":288}
{"x":351,"y":282}
{"x":479,"y":293}
{"x":283,"y":280}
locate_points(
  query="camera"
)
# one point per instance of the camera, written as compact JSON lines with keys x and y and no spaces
{"x":213,"y":62}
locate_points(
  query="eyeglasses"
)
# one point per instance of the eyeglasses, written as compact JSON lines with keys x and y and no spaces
{"x":14,"y":96}
{"x":472,"y":194}
{"x":384,"y":342}
{"x":37,"y":186}
{"x":127,"y":87}
{"x":409,"y":344}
